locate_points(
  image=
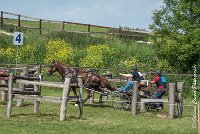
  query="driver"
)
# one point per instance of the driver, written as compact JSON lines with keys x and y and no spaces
{"x":135,"y":75}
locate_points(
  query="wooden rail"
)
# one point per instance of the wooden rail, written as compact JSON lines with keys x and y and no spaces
{"x":42,"y":83}
{"x":36,"y":95}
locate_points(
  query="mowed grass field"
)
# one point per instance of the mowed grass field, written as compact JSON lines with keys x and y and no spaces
{"x":95,"y":120}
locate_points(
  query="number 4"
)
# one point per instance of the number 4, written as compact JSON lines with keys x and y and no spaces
{"x":18,"y":38}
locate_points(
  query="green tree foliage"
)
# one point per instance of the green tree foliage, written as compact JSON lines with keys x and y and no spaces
{"x":178,"y":23}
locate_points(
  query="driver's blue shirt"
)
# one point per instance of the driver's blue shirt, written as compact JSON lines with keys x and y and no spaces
{"x":137,"y":76}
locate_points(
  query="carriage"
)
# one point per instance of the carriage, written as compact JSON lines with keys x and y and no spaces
{"x":120,"y":99}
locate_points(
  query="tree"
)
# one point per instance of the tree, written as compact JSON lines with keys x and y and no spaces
{"x":178,"y":23}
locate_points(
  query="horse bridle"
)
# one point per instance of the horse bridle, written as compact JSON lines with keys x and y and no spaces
{"x":52,"y":66}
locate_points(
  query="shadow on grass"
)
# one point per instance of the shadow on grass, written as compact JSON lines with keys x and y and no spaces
{"x":30,"y":115}
{"x":3,"y":103}
{"x":47,"y":116}
{"x":96,"y":104}
{"x":24,"y":105}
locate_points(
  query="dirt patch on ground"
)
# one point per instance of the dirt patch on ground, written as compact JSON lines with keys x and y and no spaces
{"x":162,"y":116}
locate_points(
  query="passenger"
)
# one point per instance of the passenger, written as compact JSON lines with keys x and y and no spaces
{"x":161,"y":83}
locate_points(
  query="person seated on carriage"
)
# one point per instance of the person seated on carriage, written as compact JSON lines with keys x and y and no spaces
{"x":161,"y":83}
{"x":134,"y":76}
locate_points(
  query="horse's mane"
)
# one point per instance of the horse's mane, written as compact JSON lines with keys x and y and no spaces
{"x":61,"y":63}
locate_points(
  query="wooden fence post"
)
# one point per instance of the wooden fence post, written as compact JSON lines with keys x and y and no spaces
{"x":198,"y":119}
{"x":88,"y":27}
{"x":171,"y":100}
{"x":36,"y":103}
{"x":81,"y":98}
{"x":63,"y":26}
{"x":64,"y":103}
{"x":91,"y":99}
{"x":40,"y":26}
{"x":142,"y":107}
{"x":19,"y":24}
{"x":180,"y":88}
{"x":20,"y":102}
{"x":3,"y":93}
{"x":37,"y":88}
{"x":134,"y":98}
{"x":10,"y":98}
{"x":104,"y":96}
{"x":80,"y":84}
{"x":2,"y":19}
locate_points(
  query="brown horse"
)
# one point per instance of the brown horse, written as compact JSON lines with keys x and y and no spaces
{"x":91,"y":80}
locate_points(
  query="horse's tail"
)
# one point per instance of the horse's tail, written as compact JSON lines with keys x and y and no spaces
{"x":111,"y":88}
{"x":105,"y":83}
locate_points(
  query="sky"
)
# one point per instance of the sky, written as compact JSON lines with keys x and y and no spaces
{"x":112,"y":13}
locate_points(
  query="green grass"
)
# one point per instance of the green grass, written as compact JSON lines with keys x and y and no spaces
{"x":95,"y":120}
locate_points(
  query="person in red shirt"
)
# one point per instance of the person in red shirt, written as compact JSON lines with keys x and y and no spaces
{"x":159,"y":93}
{"x":157,"y":80}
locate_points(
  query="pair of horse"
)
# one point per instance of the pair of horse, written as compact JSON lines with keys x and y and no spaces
{"x":91,"y":80}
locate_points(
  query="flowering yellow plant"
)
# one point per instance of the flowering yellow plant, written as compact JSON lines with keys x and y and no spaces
{"x":7,"y":53}
{"x":129,"y":62}
{"x":59,"y":50}
{"x":27,"y":54}
{"x":96,"y":56}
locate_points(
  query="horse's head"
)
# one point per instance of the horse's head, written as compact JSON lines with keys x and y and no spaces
{"x":62,"y":69}
{"x":52,"y":68}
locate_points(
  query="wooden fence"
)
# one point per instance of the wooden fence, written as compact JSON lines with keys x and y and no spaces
{"x":62,"y":24}
{"x":35,"y":95}
{"x":25,"y":72}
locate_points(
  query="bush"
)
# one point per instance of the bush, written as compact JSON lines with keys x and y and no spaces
{"x":59,"y":50}
{"x":27,"y":54}
{"x":7,"y":55}
{"x":129,"y":63}
{"x":97,"y":56}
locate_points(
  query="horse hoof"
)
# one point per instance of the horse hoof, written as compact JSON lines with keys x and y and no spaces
{"x":76,"y":105}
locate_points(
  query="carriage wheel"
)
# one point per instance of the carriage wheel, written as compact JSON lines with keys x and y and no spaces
{"x":148,"y":106}
{"x":121,"y":101}
{"x":126,"y":101}
{"x":116,"y":101}
{"x":153,"y":105}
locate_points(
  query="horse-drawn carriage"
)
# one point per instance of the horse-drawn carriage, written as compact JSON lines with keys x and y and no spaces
{"x":120,"y":99}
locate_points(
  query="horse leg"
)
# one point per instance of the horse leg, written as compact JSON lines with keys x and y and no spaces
{"x":74,"y":91}
{"x":75,"y":94}
{"x":88,"y":96}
